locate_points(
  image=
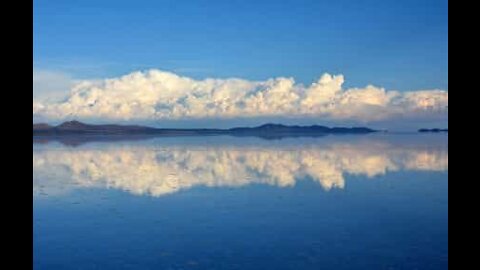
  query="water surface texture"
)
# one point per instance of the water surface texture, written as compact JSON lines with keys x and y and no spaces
{"x":374,"y":201}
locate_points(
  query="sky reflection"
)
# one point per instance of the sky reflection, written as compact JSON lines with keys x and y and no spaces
{"x":158,"y":169}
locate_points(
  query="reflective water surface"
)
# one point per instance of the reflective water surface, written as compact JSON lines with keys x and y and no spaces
{"x":337,"y":202}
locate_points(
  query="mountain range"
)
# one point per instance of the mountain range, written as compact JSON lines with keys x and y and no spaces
{"x":434,"y":130}
{"x":266,"y":130}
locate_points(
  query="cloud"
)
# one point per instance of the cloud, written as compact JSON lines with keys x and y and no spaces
{"x":160,"y":95}
{"x":156,"y":169}
{"x":50,"y":86}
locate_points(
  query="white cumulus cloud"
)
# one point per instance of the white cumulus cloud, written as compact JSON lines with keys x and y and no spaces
{"x":157,"y":95}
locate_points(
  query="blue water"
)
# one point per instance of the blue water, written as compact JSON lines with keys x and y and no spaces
{"x":347,"y":202}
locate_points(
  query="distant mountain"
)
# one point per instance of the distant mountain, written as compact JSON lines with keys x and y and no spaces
{"x":41,"y":127}
{"x":76,"y":127}
{"x":277,"y":128}
{"x":433,"y":130}
{"x":267,"y":130}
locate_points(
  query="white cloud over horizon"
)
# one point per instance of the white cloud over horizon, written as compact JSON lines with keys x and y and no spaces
{"x":161,"y":95}
{"x":50,"y":86}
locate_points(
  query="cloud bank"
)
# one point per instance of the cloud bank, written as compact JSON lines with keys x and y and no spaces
{"x":50,"y":86}
{"x":160,"y":95}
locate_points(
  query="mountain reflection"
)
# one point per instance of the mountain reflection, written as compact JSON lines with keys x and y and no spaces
{"x":158,"y":170}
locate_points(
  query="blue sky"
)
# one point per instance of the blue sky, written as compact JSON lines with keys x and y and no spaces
{"x":398,"y":45}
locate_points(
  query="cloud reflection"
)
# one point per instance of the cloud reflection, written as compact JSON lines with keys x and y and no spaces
{"x":160,"y":170}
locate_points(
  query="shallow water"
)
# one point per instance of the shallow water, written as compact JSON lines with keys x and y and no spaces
{"x":338,"y":202}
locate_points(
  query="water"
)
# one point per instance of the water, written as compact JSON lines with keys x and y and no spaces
{"x":336,"y":202}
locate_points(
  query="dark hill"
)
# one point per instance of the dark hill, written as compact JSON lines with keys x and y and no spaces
{"x":267,"y":130}
{"x":435,"y":130}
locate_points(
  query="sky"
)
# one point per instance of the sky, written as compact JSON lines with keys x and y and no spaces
{"x":223,"y":63}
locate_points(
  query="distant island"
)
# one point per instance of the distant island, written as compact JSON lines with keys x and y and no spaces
{"x":266,"y":131}
{"x":433,"y":130}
